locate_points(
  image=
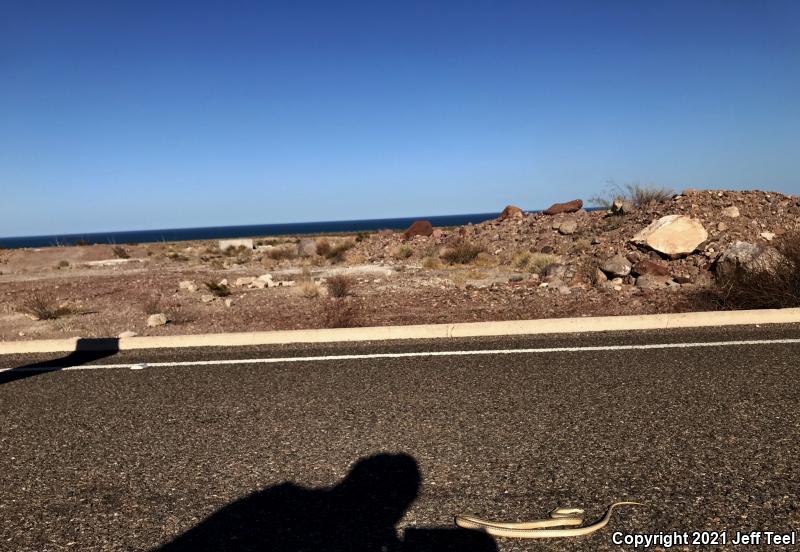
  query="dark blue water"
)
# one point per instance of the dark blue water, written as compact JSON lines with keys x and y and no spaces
{"x":218,"y":232}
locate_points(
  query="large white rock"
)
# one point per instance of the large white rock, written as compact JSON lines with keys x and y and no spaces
{"x":240,"y":242}
{"x":673,"y":235}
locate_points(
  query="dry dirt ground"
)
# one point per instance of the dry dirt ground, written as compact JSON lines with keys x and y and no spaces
{"x":393,"y":281}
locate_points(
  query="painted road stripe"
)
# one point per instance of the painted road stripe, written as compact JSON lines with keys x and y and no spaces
{"x":545,"y":350}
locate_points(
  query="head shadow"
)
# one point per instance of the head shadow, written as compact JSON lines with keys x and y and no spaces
{"x":359,"y":514}
{"x":86,"y":350}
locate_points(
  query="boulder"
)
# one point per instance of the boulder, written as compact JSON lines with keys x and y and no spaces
{"x":769,"y":236}
{"x":722,"y":226}
{"x":568,"y":226}
{"x":157,"y":320}
{"x":568,"y":207}
{"x":652,"y":281}
{"x":207,"y":298}
{"x":418,"y":228}
{"x":650,"y":267}
{"x":731,"y":211}
{"x":673,"y":235}
{"x":616,"y":266}
{"x":747,"y":256}
{"x":307,"y":247}
{"x":511,"y":211}
{"x":243,"y":281}
{"x":241,"y":242}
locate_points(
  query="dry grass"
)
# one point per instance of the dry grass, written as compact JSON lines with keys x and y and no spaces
{"x":308,"y":289}
{"x":281,"y":253}
{"x":339,"y":285}
{"x":337,"y":252}
{"x":534,"y":262}
{"x":462,"y":252}
{"x":404,"y":252}
{"x":636,"y":193}
{"x":323,"y":247}
{"x":43,"y":306}
{"x":771,"y":283}
{"x":341,"y":312}
{"x":218,"y":290}
{"x":433,"y":263}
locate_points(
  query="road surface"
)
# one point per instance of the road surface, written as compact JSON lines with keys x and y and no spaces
{"x":358,"y":447}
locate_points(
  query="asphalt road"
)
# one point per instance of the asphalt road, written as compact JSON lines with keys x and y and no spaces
{"x":380,"y":453}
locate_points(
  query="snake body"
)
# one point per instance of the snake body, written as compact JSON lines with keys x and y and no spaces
{"x":540,"y":528}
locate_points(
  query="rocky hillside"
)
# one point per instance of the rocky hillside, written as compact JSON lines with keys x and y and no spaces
{"x":679,"y":241}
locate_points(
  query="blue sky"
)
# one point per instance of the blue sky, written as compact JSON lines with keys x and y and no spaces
{"x":147,"y":114}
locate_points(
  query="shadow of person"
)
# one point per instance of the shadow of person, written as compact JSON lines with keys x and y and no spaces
{"x":86,"y":350}
{"x":357,"y":515}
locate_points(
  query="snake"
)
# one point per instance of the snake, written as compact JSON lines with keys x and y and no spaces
{"x":560,"y":518}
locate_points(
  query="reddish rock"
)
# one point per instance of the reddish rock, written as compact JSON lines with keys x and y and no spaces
{"x":650,"y":267}
{"x":569,"y":207}
{"x":510,"y":211}
{"x":419,"y":228}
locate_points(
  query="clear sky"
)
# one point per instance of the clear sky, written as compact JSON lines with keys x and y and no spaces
{"x":118,"y":115}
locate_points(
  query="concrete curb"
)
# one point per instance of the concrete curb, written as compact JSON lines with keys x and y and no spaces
{"x":427,"y":331}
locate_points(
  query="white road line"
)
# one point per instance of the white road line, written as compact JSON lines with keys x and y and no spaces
{"x":545,"y":350}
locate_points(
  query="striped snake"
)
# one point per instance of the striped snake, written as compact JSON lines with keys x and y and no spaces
{"x":540,"y":528}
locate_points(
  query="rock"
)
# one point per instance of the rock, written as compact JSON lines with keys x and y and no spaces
{"x":307,"y":247}
{"x":229,"y":302}
{"x":652,"y":281}
{"x":418,"y":228}
{"x":650,"y":267}
{"x":767,"y":235}
{"x":241,"y":242}
{"x":617,"y":288}
{"x":747,"y":256}
{"x":616,"y":281}
{"x":287,"y":283}
{"x":265,"y":278}
{"x":731,"y":211}
{"x":616,"y":266}
{"x":258,"y":284}
{"x":244,"y":281}
{"x":600,"y":276}
{"x":568,"y":207}
{"x":157,"y":320}
{"x":223,"y":282}
{"x":188,"y":285}
{"x":128,"y":334}
{"x":622,"y":206}
{"x":672,"y":235}
{"x":510,"y":211}
{"x":683,"y":279}
{"x":564,"y":290}
{"x":516,"y":278}
{"x":207,"y":298}
{"x":568,"y":226}
{"x":722,"y":226}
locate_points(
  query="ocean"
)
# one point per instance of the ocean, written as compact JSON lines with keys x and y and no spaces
{"x":253,"y":230}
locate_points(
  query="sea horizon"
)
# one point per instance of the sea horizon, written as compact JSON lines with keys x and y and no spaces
{"x":238,"y":231}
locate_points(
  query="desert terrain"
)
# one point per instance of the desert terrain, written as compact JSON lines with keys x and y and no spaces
{"x":639,"y":256}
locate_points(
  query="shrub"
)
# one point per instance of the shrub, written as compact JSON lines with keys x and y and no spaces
{"x":462,"y":252}
{"x":175,"y":256}
{"x":120,"y":252}
{"x":62,"y":264}
{"x":404,"y":252}
{"x":282,"y":253}
{"x":342,"y":312}
{"x":339,"y":285}
{"x":308,"y":289}
{"x":361,"y":236}
{"x":43,"y":306}
{"x":218,"y":290}
{"x":636,"y":193}
{"x":323,"y":247}
{"x":337,"y":252}
{"x":432,"y":262}
{"x":770,"y":283}
{"x":534,"y":262}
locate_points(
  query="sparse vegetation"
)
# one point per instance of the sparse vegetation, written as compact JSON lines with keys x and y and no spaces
{"x":62,"y":264}
{"x":639,"y":195}
{"x":306,"y":285}
{"x":339,"y":285}
{"x":534,"y":262}
{"x":218,"y":290}
{"x":152,"y":305}
{"x":772,"y":282}
{"x":342,"y":312}
{"x":175,"y":256}
{"x":361,"y":236}
{"x":282,"y":253}
{"x":432,"y":262}
{"x":336,"y":254}
{"x":462,"y":252}
{"x":323,"y":247}
{"x":120,"y":252}
{"x":43,"y":306}
{"x":404,"y":252}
